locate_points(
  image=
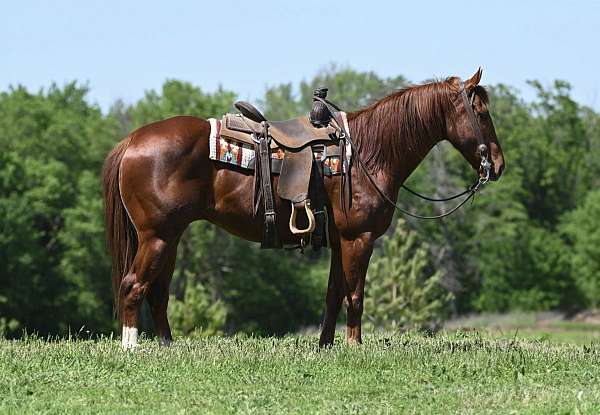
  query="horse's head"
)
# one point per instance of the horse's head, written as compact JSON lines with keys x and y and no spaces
{"x":470,"y":128}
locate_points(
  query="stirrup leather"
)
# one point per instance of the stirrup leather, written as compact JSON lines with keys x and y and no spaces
{"x":309,"y":214}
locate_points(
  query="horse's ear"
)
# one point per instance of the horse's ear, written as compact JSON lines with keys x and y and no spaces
{"x":473,"y":81}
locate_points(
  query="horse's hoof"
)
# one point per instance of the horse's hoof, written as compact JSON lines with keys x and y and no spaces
{"x":164,"y":342}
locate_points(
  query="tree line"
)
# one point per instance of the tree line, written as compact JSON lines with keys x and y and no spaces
{"x":530,"y":241}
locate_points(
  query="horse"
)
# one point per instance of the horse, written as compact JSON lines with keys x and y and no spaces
{"x":159,"y":179}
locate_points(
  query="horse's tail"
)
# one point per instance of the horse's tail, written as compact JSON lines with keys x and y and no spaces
{"x":120,"y":232}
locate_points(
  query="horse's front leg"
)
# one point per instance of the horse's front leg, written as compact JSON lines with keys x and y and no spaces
{"x":355,"y":261}
{"x":334,"y":298}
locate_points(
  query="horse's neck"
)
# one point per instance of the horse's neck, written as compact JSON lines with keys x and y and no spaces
{"x":390,"y":176}
{"x":396,"y":175}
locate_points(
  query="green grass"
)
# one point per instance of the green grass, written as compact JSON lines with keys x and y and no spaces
{"x":461,"y":373}
{"x":551,"y":335}
{"x":547,"y":327}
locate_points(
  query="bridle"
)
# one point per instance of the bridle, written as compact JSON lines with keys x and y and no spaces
{"x":484,"y":166}
{"x":482,"y":149}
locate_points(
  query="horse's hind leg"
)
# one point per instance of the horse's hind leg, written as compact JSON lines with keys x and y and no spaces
{"x":158,"y":298}
{"x":149,"y":261}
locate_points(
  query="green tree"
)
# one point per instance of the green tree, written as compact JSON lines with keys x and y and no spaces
{"x":504,"y":251}
{"x":582,"y":228}
{"x":402,"y":290}
{"x":348,"y":88}
{"x":85,"y":262}
{"x":179,"y":98}
{"x":53,"y":143}
{"x":521,"y":256}
{"x":197,"y":315}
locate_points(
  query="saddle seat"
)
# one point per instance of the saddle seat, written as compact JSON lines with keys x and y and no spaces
{"x":298,"y":133}
{"x":291,"y":134}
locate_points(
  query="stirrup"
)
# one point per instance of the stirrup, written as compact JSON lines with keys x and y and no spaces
{"x":309,"y":215}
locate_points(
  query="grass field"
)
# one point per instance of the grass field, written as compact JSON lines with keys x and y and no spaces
{"x":546,"y":327}
{"x":410,"y":373}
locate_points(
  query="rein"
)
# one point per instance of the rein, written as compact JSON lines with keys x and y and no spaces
{"x":485,"y":165}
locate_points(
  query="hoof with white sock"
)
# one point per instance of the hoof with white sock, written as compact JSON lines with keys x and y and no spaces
{"x":164,"y":342}
{"x":129,"y":338}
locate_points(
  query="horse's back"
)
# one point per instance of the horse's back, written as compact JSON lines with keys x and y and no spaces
{"x":180,"y":133}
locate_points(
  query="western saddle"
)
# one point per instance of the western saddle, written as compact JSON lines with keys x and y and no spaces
{"x":300,"y":177}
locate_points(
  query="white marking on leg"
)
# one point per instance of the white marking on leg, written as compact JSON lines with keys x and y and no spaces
{"x":129,"y":337}
{"x":163,"y":341}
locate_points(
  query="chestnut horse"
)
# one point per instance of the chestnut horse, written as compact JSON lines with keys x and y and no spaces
{"x":159,"y":179}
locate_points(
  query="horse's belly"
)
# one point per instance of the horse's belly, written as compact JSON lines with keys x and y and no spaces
{"x":233,"y":207}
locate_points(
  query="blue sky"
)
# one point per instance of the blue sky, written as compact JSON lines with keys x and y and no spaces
{"x":122,"y":48}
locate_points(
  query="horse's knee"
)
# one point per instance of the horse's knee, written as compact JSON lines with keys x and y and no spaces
{"x":355,"y":305}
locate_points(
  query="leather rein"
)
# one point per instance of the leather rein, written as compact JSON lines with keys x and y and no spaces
{"x":482,"y":149}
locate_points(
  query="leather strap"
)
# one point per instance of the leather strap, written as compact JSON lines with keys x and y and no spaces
{"x":471,"y":115}
{"x":317,"y":191}
{"x":270,"y":238}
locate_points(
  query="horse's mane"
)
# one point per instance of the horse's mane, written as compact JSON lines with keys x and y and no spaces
{"x":403,"y":121}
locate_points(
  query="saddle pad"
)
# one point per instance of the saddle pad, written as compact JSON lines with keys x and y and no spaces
{"x":240,"y":153}
{"x":228,"y":150}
